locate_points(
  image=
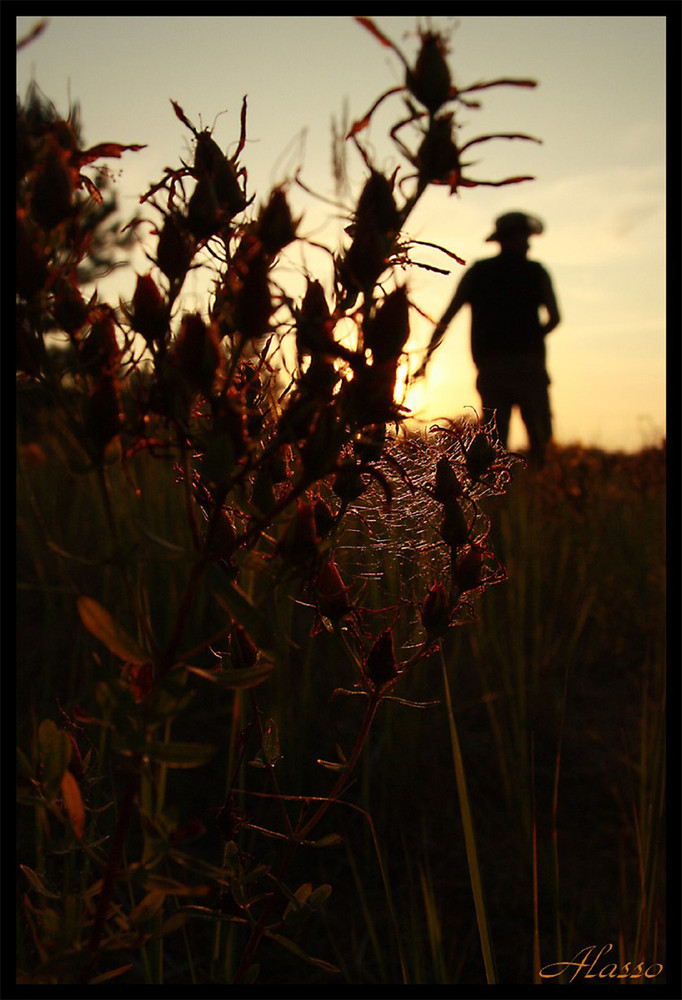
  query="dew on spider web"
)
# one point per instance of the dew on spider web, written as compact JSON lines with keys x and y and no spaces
{"x":391,"y":539}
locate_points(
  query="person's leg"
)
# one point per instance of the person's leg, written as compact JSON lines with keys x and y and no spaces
{"x":537,"y":417}
{"x":496,"y":398}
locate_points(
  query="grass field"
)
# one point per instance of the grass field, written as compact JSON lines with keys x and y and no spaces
{"x":557,"y":695}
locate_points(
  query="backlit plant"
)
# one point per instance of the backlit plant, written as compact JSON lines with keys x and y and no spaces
{"x":271,"y":460}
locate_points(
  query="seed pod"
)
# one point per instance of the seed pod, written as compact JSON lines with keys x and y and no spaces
{"x":435,"y":611}
{"x":211,"y":163}
{"x":70,"y":309}
{"x":467,"y":568}
{"x":174,"y":254}
{"x":454,"y":529}
{"x":207,"y":155}
{"x":254,"y":301}
{"x":348,"y":484}
{"x":479,"y":455}
{"x":242,"y":649}
{"x":381,"y":666}
{"x":228,"y":191}
{"x":100,"y":349}
{"x":196,"y":353}
{"x":52,"y":191}
{"x":387,"y":331}
{"x":429,"y":81}
{"x":313,"y":322}
{"x":361,"y":267}
{"x":446,"y":485}
{"x":376,"y":206}
{"x":438,"y":156}
{"x":275,"y":226}
{"x":149,"y":315}
{"x":203,"y":211}
{"x":376,"y":225}
{"x":103,"y":412}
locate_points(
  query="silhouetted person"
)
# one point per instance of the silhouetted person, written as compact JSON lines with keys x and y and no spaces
{"x":506,"y":294}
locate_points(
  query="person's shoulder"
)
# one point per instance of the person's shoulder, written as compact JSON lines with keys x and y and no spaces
{"x":483,"y":264}
{"x":536,"y":266}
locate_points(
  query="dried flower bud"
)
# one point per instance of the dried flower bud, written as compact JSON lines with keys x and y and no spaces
{"x":196,"y":353}
{"x":387,"y":331}
{"x":468,"y":568}
{"x":454,"y":529}
{"x":435,"y":611}
{"x":376,"y":206}
{"x":52,"y":192}
{"x":254,"y":301}
{"x":242,"y":649}
{"x":276,"y":228}
{"x":100,"y":349}
{"x":70,"y":309}
{"x":381,"y":666}
{"x":228,"y":191}
{"x":103,"y":412}
{"x":446,"y":484}
{"x":331,"y":594}
{"x":174,"y":254}
{"x":438,"y":156}
{"x":429,"y":81}
{"x":313,"y":322}
{"x":149,"y":315}
{"x":202,"y":211}
{"x":348,"y":484}
{"x":361,"y":267}
{"x":479,"y":455}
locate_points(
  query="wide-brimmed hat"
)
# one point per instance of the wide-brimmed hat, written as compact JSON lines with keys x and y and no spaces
{"x":515,"y":222}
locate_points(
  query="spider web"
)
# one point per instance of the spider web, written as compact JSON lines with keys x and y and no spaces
{"x":391,"y":540}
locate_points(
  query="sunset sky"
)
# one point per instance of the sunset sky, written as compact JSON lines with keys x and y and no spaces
{"x":599,"y":109}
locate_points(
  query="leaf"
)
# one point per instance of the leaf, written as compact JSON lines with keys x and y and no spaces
{"x":111,"y":974}
{"x":247,"y":677}
{"x":298,"y":951}
{"x":369,"y":24}
{"x":99,"y":623}
{"x":332,"y":765}
{"x":148,"y":907}
{"x":244,"y":611}
{"x":55,"y":753}
{"x":37,"y":883}
{"x":411,"y":704}
{"x":179,"y":754}
{"x":329,"y":840}
{"x":108,"y":149}
{"x":73,"y":803}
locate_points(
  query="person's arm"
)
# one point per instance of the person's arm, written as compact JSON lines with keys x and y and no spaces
{"x":550,"y":303}
{"x":459,"y":299}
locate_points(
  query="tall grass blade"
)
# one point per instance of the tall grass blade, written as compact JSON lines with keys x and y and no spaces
{"x":469,"y":835}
